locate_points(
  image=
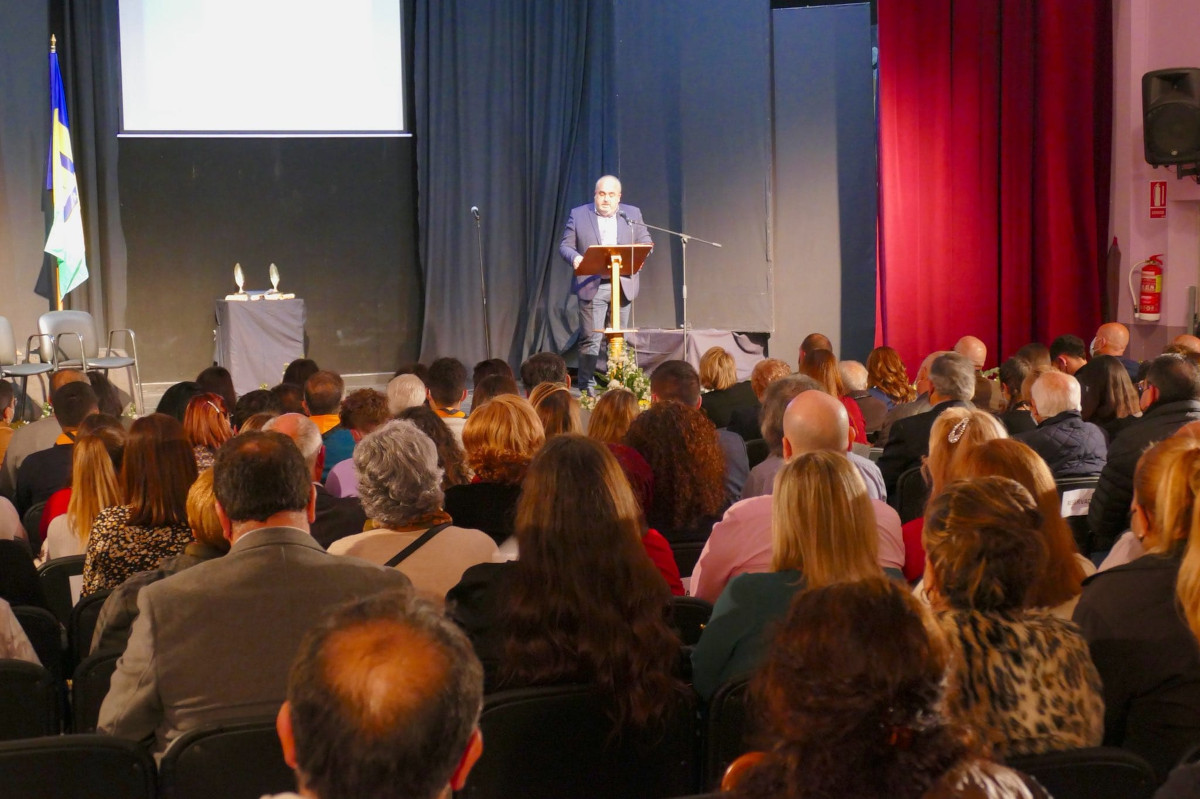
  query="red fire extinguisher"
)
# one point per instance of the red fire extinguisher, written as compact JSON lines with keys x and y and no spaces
{"x":1147,"y":297}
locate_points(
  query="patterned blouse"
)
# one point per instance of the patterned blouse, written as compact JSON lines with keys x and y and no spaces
{"x":204,"y":457}
{"x":117,"y":549}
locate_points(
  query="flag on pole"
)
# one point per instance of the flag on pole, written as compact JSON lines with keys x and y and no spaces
{"x":65,"y":241}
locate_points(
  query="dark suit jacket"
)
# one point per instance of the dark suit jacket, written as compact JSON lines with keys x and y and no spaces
{"x":909,"y":442}
{"x":337,"y":517}
{"x":583,"y":231}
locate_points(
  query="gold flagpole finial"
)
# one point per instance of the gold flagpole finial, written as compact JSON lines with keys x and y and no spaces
{"x":52,"y":40}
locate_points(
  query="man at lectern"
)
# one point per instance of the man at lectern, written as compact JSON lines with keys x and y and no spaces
{"x":605,"y":221}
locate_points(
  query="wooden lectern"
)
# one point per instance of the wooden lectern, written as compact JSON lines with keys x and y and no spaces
{"x":616,"y":260}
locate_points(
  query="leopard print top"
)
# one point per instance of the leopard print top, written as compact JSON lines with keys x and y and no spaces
{"x":1025,"y":679}
{"x":117,"y":549}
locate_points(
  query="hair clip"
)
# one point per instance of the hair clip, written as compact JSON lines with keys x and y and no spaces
{"x":213,"y":405}
{"x":957,"y":431}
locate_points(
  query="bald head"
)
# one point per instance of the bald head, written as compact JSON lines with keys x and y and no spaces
{"x":972,"y":349}
{"x":815,"y":422}
{"x":1111,"y":339}
{"x":813,"y":342}
{"x":64,"y":376}
{"x":304,"y":431}
{"x":1189,"y":343}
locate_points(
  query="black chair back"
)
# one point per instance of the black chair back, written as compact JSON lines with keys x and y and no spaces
{"x":233,"y":761}
{"x":76,"y":767}
{"x":756,"y":451}
{"x":553,"y":742}
{"x":29,"y":699}
{"x":689,"y":614}
{"x":82,"y":624}
{"x":46,"y":635}
{"x":727,"y":734}
{"x":1096,"y":773}
{"x":89,"y":686}
{"x":1075,"y":495}
{"x":911,"y":495}
{"x":687,"y":553}
{"x":32,"y":521}
{"x":55,"y":576}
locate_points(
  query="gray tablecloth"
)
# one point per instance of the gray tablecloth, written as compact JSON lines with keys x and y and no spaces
{"x":653,"y":346}
{"x":257,"y":340}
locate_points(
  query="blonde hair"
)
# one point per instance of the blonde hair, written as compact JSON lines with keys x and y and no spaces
{"x":717,"y":369}
{"x":501,"y":438}
{"x":557,"y":409}
{"x":614,"y":413}
{"x":1179,"y":513}
{"x":822,"y":521}
{"x":94,"y":485}
{"x":955,"y":432}
{"x":766,"y":372}
{"x":202,"y":513}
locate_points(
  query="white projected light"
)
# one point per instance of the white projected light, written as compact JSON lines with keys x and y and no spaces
{"x":261,"y":66}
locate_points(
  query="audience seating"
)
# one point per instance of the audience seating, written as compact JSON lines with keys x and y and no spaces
{"x":687,"y":553}
{"x":89,"y":686}
{"x":1076,"y":513}
{"x":874,"y":453}
{"x":1096,"y":773}
{"x":689,"y":614}
{"x":55,"y":576}
{"x":29,"y":703}
{"x":10,"y":367}
{"x":69,"y":341}
{"x":728,"y":729}
{"x":82,"y":625}
{"x":76,"y":767}
{"x":552,"y":742}
{"x":46,"y":636}
{"x":912,"y":492}
{"x":756,"y":451}
{"x":32,"y":519}
{"x":233,"y":761}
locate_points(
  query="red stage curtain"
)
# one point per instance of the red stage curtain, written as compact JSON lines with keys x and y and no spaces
{"x":995,"y":124}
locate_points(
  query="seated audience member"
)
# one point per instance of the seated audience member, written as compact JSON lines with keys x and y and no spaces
{"x":1112,"y":339}
{"x":1017,"y":416}
{"x":811,"y":343}
{"x":14,"y":644}
{"x":583,"y":603}
{"x":95,"y":464}
{"x":677,"y":381}
{"x":761,"y":480}
{"x":257,"y":421}
{"x":557,"y":409}
{"x":952,"y":384}
{"x":1060,"y":579}
{"x":260,"y":400}
{"x":956,"y":432}
{"x":823,"y":532}
{"x":614,"y":412}
{"x":108,"y":398}
{"x":821,"y":366}
{"x":1037,"y":353}
{"x":157,"y":469}
{"x":1171,"y":400}
{"x":745,"y":421}
{"x":298,"y":371}
{"x":8,"y":408}
{"x":120,"y":609}
{"x":175,"y":399}
{"x":680,"y":445}
{"x":722,"y":392}
{"x":217,"y":380}
{"x":19,"y":584}
{"x":404,"y":392}
{"x":356,"y":724}
{"x":1068,"y":354}
{"x":362,"y":412}
{"x":206,"y":425}
{"x":323,"y":398}
{"x":1188,"y":342}
{"x":741,"y":541}
{"x":919,"y":405}
{"x":887,"y":379}
{"x":211,"y":644}
{"x":851,"y":696}
{"x":291,"y":398}
{"x":500,"y":440}
{"x":1107,"y":395}
{"x":1147,"y":657}
{"x":400,"y":488}
{"x":491,"y":386}
{"x":35,"y":436}
{"x":446,"y":389}
{"x":42,"y":473}
{"x":492,"y":366}
{"x":987,"y":394}
{"x":1025,"y":679}
{"x":1070,"y":446}
{"x":333,"y":517}
{"x":873,"y":409}
{"x":11,"y":528}
{"x":544,"y":367}
{"x":415,"y":368}
{"x":451,"y":458}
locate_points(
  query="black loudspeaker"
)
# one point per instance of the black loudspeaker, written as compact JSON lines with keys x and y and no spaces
{"x":1171,"y":116}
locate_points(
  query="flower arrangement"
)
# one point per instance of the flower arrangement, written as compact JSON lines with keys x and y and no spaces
{"x":623,"y":372}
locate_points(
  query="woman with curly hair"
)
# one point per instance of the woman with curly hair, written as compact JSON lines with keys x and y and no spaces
{"x":206,"y":425}
{"x":362,"y":412}
{"x":887,"y":379}
{"x":822,"y":366}
{"x":851,"y":700}
{"x":681,"y":446}
{"x":557,"y":409}
{"x":583,"y":603}
{"x":500,"y":440}
{"x":723,"y":394}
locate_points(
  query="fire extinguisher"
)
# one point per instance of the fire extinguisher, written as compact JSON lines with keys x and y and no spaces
{"x":1147,"y":297}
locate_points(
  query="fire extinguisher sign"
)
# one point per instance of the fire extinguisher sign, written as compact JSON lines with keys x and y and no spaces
{"x":1158,"y":199}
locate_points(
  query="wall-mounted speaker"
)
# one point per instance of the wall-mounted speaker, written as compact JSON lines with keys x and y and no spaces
{"x":1171,"y":116}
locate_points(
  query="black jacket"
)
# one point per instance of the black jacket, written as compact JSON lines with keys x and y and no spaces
{"x":1109,"y":513}
{"x":1070,"y":446}
{"x":909,"y":442}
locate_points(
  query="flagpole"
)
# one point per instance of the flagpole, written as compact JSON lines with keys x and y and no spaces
{"x":58,"y":303}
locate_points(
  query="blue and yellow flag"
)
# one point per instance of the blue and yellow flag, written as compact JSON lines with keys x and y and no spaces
{"x":65,"y":241}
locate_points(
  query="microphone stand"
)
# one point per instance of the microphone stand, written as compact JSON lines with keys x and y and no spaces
{"x":487,"y":335}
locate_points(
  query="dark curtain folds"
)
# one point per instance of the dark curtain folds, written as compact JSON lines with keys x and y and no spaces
{"x":513,"y":116}
{"x":995,"y":132}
